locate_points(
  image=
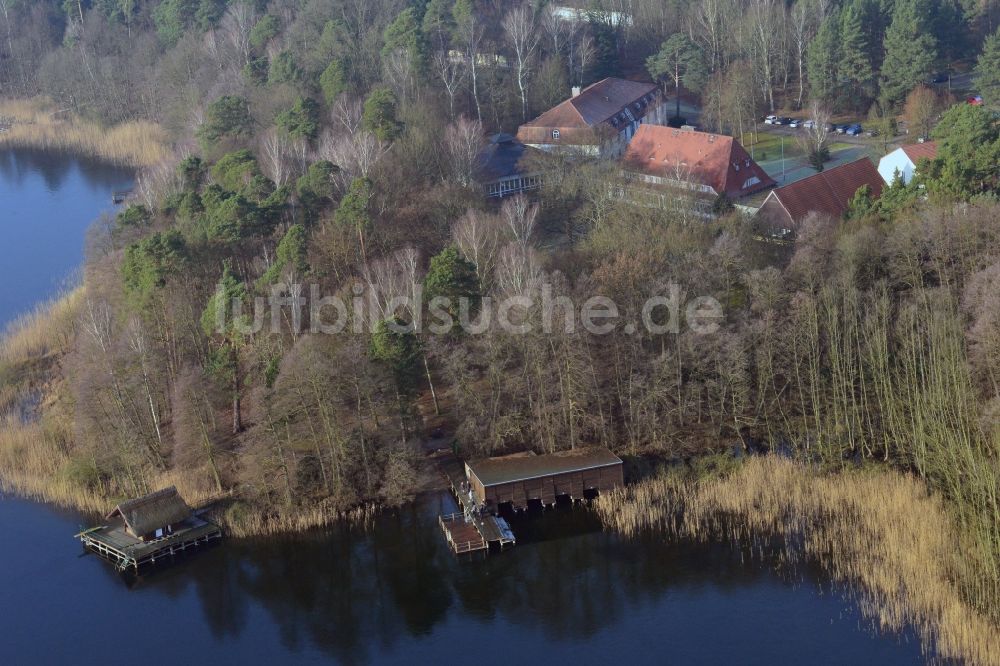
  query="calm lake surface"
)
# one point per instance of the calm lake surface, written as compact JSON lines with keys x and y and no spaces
{"x":47,"y":201}
{"x":568,"y":593}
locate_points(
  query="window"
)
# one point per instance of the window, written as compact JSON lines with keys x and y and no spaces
{"x":555,"y":134}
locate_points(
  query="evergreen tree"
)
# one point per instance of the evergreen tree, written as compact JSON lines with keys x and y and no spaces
{"x":302,"y":120}
{"x":682,"y":62}
{"x":396,"y":346}
{"x":266,"y":29}
{"x":910,"y":50}
{"x":439,"y":23}
{"x":333,"y":80}
{"x":283,"y":69}
{"x":353,"y":209}
{"x":452,"y":276}
{"x":148,"y":263}
{"x":405,"y":34}
{"x":968,"y":157}
{"x":290,"y":254}
{"x":822,"y":61}
{"x":220,"y":322}
{"x":854,"y":65}
{"x":988,"y":71}
{"x":226,"y":117}
{"x":379,"y":116}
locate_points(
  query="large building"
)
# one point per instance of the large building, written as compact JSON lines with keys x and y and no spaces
{"x":522,"y":477}
{"x":598,"y":120}
{"x":701,"y":164}
{"x":903,"y":161}
{"x":828,"y":192}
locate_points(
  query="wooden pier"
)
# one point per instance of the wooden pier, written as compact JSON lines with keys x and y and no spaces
{"x":473,"y":529}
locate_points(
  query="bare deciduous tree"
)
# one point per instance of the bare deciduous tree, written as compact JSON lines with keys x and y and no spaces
{"x":520,"y":216}
{"x":463,"y":142}
{"x":451,"y":71}
{"x":236,"y":25}
{"x":275,"y":150}
{"x":477,"y":235}
{"x":522,"y":37}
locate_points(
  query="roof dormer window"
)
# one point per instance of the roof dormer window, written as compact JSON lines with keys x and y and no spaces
{"x":555,"y":134}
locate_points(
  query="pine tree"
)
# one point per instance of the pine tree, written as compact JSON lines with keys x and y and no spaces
{"x":910,"y":50}
{"x":988,"y":70}
{"x":822,"y":60}
{"x":855,"y":67}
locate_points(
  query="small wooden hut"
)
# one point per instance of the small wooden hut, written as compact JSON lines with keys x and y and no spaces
{"x":149,"y":528}
{"x":522,"y":477}
{"x":153,"y":516}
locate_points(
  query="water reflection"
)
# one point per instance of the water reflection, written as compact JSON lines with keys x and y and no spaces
{"x":55,"y":168}
{"x":359,"y":598}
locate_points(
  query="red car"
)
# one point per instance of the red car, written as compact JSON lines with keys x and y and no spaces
{"x":975,"y":100}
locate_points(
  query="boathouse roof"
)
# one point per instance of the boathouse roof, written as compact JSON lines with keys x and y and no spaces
{"x":152,"y":512}
{"x":526,"y":466}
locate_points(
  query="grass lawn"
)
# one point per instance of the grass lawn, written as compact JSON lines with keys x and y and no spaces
{"x":768,"y":146}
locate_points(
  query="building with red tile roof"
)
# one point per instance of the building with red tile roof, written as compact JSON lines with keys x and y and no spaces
{"x":599,"y":120}
{"x":828,"y":192}
{"x":711,"y":164}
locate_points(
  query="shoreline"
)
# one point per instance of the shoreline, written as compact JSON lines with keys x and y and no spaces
{"x":879,"y":531}
{"x":36,"y":123}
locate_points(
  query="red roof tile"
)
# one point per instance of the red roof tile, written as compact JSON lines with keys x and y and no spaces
{"x":829,"y":191}
{"x":715,"y":160}
{"x":919,"y":151}
{"x":577,"y":117}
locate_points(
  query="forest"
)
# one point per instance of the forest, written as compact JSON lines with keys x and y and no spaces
{"x":334,"y":143}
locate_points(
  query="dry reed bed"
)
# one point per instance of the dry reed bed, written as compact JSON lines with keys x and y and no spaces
{"x":46,"y":329}
{"x":878,"y":529}
{"x":256,"y":524}
{"x":36,"y":123}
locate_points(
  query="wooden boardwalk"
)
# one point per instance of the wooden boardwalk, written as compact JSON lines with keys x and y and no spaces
{"x":472,"y":529}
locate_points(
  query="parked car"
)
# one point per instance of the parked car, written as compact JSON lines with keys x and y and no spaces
{"x":795,"y":124}
{"x":975,"y":100}
{"x":854,"y":130}
{"x":871,"y":132}
{"x":785,"y":120}
{"x":772,"y":120}
{"x":808,"y":124}
{"x":840,"y":129}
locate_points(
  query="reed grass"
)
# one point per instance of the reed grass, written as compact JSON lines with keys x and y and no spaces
{"x":252,"y":521}
{"x":37,"y":123}
{"x":47,"y":329}
{"x":879,"y":530}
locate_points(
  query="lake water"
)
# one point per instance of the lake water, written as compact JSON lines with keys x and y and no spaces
{"x":568,"y":593}
{"x":47,"y":201}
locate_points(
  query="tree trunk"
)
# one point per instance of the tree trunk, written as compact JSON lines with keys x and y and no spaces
{"x":237,"y":407}
{"x":430,"y":382}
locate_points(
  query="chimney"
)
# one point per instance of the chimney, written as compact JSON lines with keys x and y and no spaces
{"x":576,"y":91}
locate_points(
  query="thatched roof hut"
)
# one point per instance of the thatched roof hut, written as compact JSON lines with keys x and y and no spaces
{"x":157,"y":512}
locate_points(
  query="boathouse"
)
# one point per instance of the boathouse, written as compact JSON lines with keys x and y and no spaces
{"x":148,"y":528}
{"x":521,"y":477}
